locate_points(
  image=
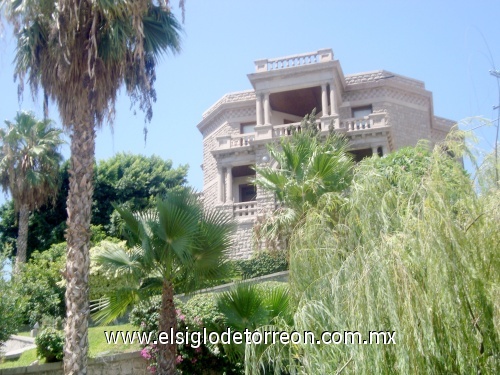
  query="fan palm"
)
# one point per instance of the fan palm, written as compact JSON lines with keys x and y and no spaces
{"x":249,"y":307}
{"x":29,"y":168}
{"x":308,"y":168}
{"x":177,"y":243}
{"x":80,"y":53}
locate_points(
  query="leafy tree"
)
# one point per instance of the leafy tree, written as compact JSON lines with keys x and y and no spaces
{"x":415,"y":252}
{"x":128,"y":179}
{"x":10,"y":305}
{"x":41,"y":282}
{"x":29,"y":163}
{"x":307,"y":166}
{"x":134,"y":180}
{"x":175,"y":243}
{"x":46,"y":226}
{"x":81,"y":52}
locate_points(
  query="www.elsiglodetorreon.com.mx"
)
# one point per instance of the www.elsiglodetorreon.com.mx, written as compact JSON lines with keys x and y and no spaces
{"x":197,"y":338}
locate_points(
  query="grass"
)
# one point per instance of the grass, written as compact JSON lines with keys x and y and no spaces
{"x":97,"y":342}
{"x":25,"y":334}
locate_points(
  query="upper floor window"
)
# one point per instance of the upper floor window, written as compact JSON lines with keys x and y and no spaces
{"x":248,"y":193}
{"x":359,"y":112}
{"x":247,"y":127}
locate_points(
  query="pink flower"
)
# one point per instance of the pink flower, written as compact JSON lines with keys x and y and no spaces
{"x":145,"y":353}
{"x":198,"y":349}
{"x":182,"y":317}
{"x":194,"y":360}
{"x":178,"y":359}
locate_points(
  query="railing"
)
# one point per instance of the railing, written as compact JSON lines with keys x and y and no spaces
{"x":362,"y":124}
{"x":245,"y":209}
{"x":286,"y":130}
{"x":375,"y":120}
{"x":242,"y":139}
{"x":303,"y":59}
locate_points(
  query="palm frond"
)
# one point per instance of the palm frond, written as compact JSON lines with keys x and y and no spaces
{"x":106,"y":310}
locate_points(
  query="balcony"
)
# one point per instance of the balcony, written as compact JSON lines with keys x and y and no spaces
{"x":245,"y":210}
{"x":371,"y":122}
{"x":267,"y":65}
{"x":362,"y":126}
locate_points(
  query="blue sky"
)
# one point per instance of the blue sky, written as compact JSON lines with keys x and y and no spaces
{"x":446,"y":44}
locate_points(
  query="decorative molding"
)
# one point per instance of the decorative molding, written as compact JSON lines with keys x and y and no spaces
{"x":232,"y":97}
{"x":375,"y":76}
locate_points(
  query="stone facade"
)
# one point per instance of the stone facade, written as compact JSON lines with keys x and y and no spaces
{"x":378,"y":111}
{"x":119,"y":364}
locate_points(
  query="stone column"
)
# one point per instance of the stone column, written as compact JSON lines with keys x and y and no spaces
{"x":374,"y":150}
{"x":229,"y":184}
{"x":333,"y":104}
{"x":267,"y":109}
{"x":258,"y":104}
{"x":221,"y":185}
{"x":324,"y":100}
{"x":384,"y":150}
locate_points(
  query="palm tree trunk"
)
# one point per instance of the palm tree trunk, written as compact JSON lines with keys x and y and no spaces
{"x":22,"y":234}
{"x":167,"y":321}
{"x":79,"y":206}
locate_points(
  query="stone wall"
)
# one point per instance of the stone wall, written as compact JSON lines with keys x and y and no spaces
{"x":243,"y":240}
{"x":119,"y":364}
{"x":226,"y":123}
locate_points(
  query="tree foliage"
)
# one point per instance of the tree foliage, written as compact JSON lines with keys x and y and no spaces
{"x":29,"y":160}
{"x":11,"y":303}
{"x":125,"y":179}
{"x":133,"y":180}
{"x":306,"y":167}
{"x":29,"y":164}
{"x":177,"y":242}
{"x":81,"y":53}
{"x":40,"y":281}
{"x":414,"y":251}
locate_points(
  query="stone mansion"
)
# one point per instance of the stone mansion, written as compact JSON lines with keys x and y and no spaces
{"x":378,"y":111}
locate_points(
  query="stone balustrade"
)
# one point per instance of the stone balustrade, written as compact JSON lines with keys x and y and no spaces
{"x":245,"y":209}
{"x":372,"y":121}
{"x":266,"y":65}
{"x":268,"y":132}
{"x":288,"y":129}
{"x":242,"y":139}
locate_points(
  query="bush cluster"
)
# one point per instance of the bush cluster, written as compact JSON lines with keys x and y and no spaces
{"x":263,"y":263}
{"x":49,"y":345}
{"x":200,"y":311}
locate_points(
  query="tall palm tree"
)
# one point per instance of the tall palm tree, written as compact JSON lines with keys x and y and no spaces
{"x":29,"y":168}
{"x":307,"y":168}
{"x":176,"y":243}
{"x":80,"y":52}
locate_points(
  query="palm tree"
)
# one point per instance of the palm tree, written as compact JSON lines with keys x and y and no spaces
{"x":252,"y":306}
{"x":29,"y":168}
{"x":177,"y":243}
{"x":308,"y":168}
{"x":80,"y":53}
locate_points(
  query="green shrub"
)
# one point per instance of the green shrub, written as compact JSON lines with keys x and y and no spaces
{"x":102,"y":281}
{"x":263,"y":263}
{"x":10,"y":306}
{"x":49,"y":345}
{"x":41,"y":282}
{"x":144,"y":314}
{"x":202,"y":311}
